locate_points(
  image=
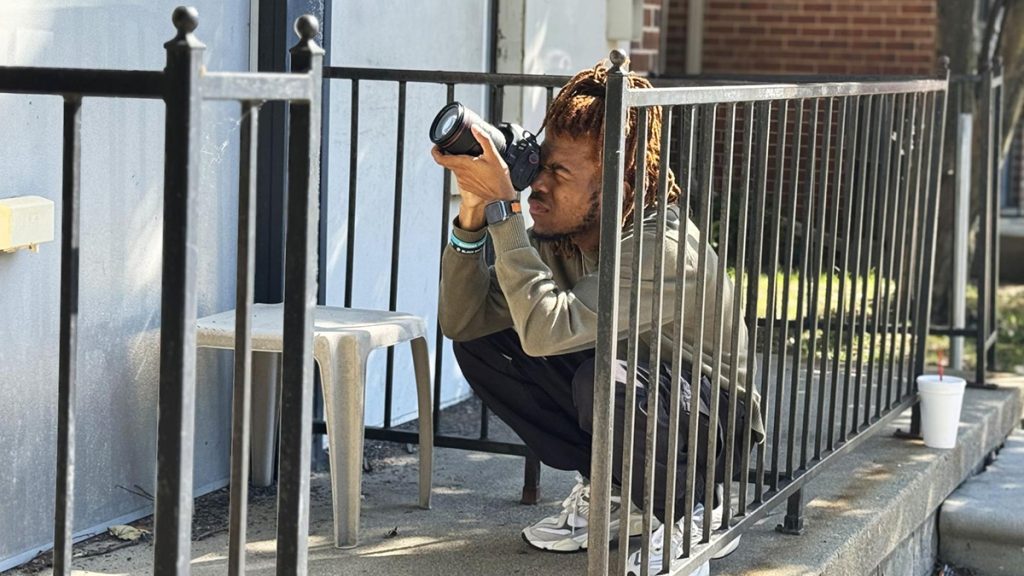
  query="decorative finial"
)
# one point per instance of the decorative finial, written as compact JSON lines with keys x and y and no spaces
{"x":944,"y":63}
{"x":618,"y":58}
{"x":185,"y":19}
{"x":307,"y":27}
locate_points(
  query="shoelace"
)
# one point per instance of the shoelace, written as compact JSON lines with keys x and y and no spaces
{"x":575,"y":502}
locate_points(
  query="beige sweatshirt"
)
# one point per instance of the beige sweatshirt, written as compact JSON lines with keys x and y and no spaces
{"x":551,"y":299}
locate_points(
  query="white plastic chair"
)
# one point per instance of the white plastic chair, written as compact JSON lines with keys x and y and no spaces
{"x":342,"y":340}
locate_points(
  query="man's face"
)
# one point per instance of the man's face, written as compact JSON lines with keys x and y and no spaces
{"x":566,"y":195}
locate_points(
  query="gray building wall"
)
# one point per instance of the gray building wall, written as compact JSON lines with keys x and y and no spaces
{"x":121,"y":233}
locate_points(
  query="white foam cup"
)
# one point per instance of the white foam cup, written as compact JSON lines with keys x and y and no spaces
{"x":940,"y":408}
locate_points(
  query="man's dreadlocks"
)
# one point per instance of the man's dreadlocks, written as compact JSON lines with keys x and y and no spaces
{"x":578,"y":111}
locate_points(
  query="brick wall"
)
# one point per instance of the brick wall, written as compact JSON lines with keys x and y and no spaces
{"x":810,"y":36}
{"x":643,"y":55}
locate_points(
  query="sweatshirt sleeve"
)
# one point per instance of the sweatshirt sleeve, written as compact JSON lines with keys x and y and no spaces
{"x":552,"y":321}
{"x":471,"y":304}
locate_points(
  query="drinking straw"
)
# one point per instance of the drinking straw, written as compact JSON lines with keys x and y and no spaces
{"x":940,"y":363}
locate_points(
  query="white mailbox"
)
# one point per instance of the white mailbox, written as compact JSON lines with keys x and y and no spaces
{"x":25,"y":222}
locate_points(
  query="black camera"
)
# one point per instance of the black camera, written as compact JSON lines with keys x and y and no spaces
{"x":451,"y":132}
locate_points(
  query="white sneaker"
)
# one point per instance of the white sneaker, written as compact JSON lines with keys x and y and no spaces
{"x":696,"y":532}
{"x":567,"y":530}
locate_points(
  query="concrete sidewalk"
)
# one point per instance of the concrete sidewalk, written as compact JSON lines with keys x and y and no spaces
{"x":873,"y":512}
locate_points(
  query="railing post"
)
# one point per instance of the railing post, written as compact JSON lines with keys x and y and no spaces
{"x":176,"y":414}
{"x":793,"y":523}
{"x":300,"y":293}
{"x":607,"y":320}
{"x":927,"y":258}
{"x":996,"y":142}
{"x":984,"y":255}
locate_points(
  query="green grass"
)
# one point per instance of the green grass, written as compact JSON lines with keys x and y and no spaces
{"x":1010,"y":307}
{"x":827,"y":304}
{"x":1009,"y":343}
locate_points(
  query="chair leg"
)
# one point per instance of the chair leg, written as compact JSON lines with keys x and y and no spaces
{"x":531,"y":480}
{"x":421,"y":363}
{"x":266,"y":374}
{"x":343,"y":375}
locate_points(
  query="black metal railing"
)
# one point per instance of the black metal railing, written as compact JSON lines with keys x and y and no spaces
{"x":980,"y":174}
{"x":778,"y":184}
{"x":183,"y":85}
{"x":855,"y":166}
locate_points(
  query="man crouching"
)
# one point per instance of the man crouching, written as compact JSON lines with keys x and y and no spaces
{"x":525,"y":328}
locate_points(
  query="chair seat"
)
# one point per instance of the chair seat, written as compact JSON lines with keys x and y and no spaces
{"x":374,"y":328}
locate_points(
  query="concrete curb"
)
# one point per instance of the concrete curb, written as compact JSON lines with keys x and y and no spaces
{"x":870,"y":503}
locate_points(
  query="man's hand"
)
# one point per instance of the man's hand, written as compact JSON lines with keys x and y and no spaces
{"x":482,"y":178}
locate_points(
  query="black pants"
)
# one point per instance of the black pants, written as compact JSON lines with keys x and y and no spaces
{"x":548,"y":401}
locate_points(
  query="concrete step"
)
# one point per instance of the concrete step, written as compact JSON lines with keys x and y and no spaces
{"x":981,"y":524}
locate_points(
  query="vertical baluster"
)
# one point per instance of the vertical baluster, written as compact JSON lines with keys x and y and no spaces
{"x":63,"y":523}
{"x":881,"y":280}
{"x":245,"y":282}
{"x":764,"y":112}
{"x":899,"y":248}
{"x":687,"y":128}
{"x":725,"y":201}
{"x":853,"y":113}
{"x":657,"y":314}
{"x":864,"y":248}
{"x":780,"y":376}
{"x":299,"y":298}
{"x":396,"y":247}
{"x":776,"y":231}
{"x":866,"y":149}
{"x":707,"y":148}
{"x":806,"y":282}
{"x":823,"y":200}
{"x":632,"y":361}
{"x":888,"y":248}
{"x":735,"y":352}
{"x":910,"y":295}
{"x":353,"y":179}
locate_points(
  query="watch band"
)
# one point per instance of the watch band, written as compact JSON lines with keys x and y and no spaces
{"x":501,"y":210}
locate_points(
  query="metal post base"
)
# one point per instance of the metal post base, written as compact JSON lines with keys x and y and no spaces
{"x":793,"y":523}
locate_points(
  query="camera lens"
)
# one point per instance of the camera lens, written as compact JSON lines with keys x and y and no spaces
{"x":451,"y":131}
{"x":447,"y":120}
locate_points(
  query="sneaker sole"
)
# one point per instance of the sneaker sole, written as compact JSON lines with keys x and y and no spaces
{"x":636,"y":528}
{"x":571,"y":546}
{"x":566,"y":546}
{"x":729,"y":549}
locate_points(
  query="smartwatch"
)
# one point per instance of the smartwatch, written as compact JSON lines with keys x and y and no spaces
{"x":501,"y":210}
